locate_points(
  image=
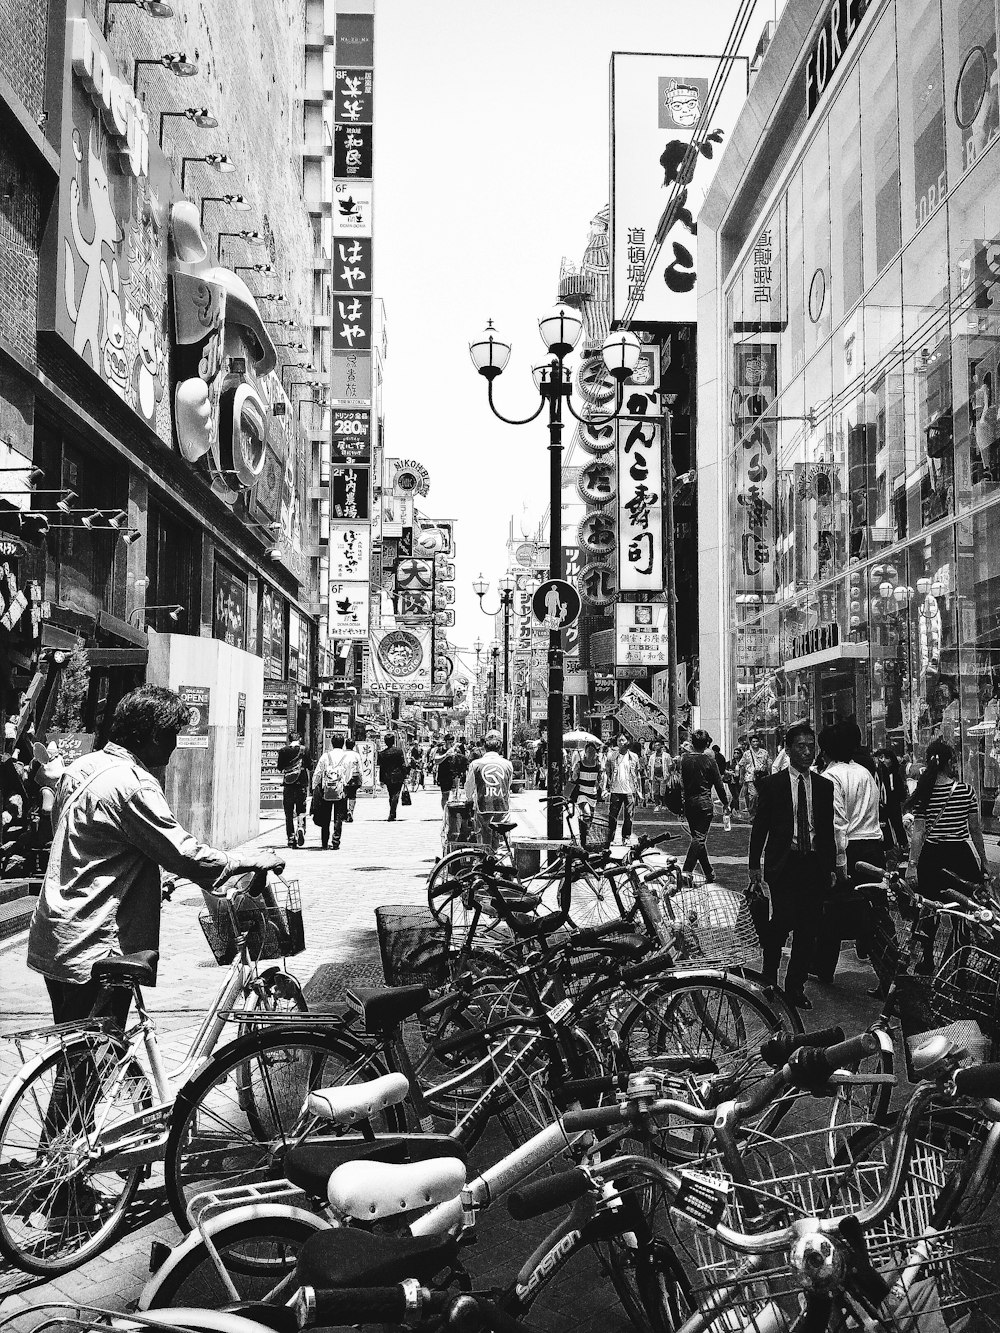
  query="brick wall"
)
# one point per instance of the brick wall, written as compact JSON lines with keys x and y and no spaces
{"x":23,"y":34}
{"x":20,"y":234}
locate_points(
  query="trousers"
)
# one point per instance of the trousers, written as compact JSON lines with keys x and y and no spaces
{"x":335,"y":811}
{"x":797,"y":891}
{"x":699,"y":819}
{"x":77,"y":1084}
{"x":293,"y":799}
{"x":620,"y":803}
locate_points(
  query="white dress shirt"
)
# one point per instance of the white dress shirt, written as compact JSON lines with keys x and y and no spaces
{"x":855,"y":806}
{"x":793,"y":777}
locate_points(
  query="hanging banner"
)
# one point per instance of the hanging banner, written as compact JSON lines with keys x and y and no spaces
{"x":656,"y":104}
{"x":401,"y":659}
{"x":367,"y":754}
{"x":349,"y":492}
{"x":640,"y":505}
{"x":647,"y":708}
{"x":351,"y":435}
{"x":351,"y":379}
{"x":641,"y":635}
{"x":352,"y":208}
{"x":348,"y":610}
{"x":349,"y":551}
{"x":755,"y":388}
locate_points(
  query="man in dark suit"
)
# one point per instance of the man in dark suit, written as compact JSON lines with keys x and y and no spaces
{"x":793,"y":831}
{"x":392,"y":770}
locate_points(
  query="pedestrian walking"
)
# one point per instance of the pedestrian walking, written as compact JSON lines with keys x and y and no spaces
{"x":329,"y":786}
{"x":392,"y":768}
{"x":416,"y":767}
{"x":893,"y":793}
{"x":733,"y":780}
{"x":792,"y":835}
{"x":856,"y":830}
{"x":541,"y":763}
{"x":658,"y":771}
{"x":623,"y":777}
{"x":700,"y":776}
{"x":946,"y":833}
{"x":487,"y":786}
{"x":353,"y":777}
{"x":756,"y":766}
{"x":452,"y":771}
{"x":587,"y":789}
{"x":294,"y":786}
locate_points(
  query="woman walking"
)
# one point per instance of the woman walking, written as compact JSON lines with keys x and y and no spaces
{"x":946,"y":833}
{"x":700,"y":777}
{"x":893,"y":792}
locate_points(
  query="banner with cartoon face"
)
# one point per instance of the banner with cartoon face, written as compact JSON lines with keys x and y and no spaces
{"x":401,"y":659}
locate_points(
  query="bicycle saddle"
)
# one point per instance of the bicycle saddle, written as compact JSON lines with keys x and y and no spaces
{"x":311,"y":1164}
{"x":129,"y":969}
{"x":506,"y":826}
{"x":358,"y":1101}
{"x":384,"y":1007}
{"x":346,"y":1257}
{"x":369,"y":1191}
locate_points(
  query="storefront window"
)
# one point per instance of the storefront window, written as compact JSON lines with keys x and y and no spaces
{"x":970,"y":81}
{"x":880,"y":231}
{"x":921,"y":112}
{"x":875,"y":452}
{"x":974,"y":232}
{"x":816,"y":248}
{"x":845,"y":177}
{"x":931,"y":691}
{"x":979,"y":633}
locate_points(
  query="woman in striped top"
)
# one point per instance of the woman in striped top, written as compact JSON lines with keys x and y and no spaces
{"x":588,"y":781}
{"x":946,"y":834}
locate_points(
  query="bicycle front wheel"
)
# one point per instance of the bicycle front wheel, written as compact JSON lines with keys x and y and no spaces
{"x":58,"y":1206}
{"x":257,"y":1256}
{"x":234,"y":1121}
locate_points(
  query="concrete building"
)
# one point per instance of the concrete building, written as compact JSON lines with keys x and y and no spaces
{"x":849,"y":455}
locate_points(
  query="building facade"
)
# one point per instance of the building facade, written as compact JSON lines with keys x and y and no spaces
{"x":849,"y":482}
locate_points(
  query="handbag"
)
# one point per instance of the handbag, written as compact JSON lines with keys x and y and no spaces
{"x":756,"y":905}
{"x":314,"y":808}
{"x":846,"y":915}
{"x":673,"y":798}
{"x":405,"y":797}
{"x":353,"y":786}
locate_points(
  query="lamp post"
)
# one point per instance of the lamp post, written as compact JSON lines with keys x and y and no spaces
{"x":560,"y":331}
{"x":481,"y":587}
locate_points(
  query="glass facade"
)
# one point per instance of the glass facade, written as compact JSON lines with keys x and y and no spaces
{"x":863,"y":383}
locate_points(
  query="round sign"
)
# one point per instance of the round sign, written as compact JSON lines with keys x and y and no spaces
{"x":597,"y":483}
{"x":556,"y":604}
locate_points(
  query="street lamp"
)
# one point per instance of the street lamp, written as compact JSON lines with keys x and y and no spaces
{"x":199,"y":116}
{"x":238,"y":202}
{"x":154,"y":8}
{"x":176,"y":62}
{"x":220,"y":162}
{"x":560,"y":332}
{"x":480,"y":587}
{"x":173,"y":610}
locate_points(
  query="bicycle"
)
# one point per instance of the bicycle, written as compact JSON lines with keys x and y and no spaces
{"x":83,"y":1120}
{"x":880,"y":1237}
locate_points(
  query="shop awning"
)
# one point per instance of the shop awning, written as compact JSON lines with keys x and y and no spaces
{"x":839,"y":652}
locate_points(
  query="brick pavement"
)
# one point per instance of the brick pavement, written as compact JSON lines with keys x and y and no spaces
{"x":378,"y":863}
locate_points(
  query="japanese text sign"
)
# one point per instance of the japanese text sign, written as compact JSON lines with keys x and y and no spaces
{"x":640,"y":505}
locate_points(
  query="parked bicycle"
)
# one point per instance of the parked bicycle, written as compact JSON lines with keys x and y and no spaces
{"x":83,"y":1119}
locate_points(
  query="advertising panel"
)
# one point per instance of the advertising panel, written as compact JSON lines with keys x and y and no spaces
{"x":103,"y":285}
{"x":349,"y":492}
{"x":349,"y":551}
{"x":354,"y":96}
{"x":352,"y":214}
{"x":401,"y":659}
{"x":351,"y":379}
{"x":352,"y":263}
{"x":656,"y":103}
{"x":348,"y":610}
{"x":194,"y":736}
{"x":351,"y":435}
{"x":352,"y":322}
{"x":753,"y":518}
{"x":229,"y":612}
{"x":355,"y":44}
{"x":640,"y":635}
{"x":641,"y":565}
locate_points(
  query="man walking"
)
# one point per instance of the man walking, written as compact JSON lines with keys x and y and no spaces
{"x":392,"y":772}
{"x":659,"y":772}
{"x":624,"y":782}
{"x":352,"y":778}
{"x":330,"y":784}
{"x":452,"y":771}
{"x":294,"y":785}
{"x":488,"y":788}
{"x":793,"y":833}
{"x":755,"y":766}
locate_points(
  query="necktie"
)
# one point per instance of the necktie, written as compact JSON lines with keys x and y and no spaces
{"x":802,"y":818}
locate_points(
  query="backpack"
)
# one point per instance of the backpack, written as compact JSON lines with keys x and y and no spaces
{"x":293,"y":773}
{"x":333,"y":782}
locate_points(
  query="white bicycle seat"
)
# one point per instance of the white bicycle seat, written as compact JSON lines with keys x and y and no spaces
{"x":358,"y":1101}
{"x":369,"y":1191}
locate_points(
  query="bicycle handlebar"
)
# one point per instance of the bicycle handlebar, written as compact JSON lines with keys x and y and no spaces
{"x":978,"y":1081}
{"x":542,"y":1196}
{"x":777,"y":1050}
{"x":408,"y":1304}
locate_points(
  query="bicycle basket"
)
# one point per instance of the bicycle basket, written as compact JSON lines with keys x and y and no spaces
{"x":967,"y":986}
{"x":713,"y":926}
{"x":414,"y":947}
{"x":599,"y":830}
{"x":271,"y":931}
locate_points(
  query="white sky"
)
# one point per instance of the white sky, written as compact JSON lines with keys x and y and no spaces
{"x":491,"y":156}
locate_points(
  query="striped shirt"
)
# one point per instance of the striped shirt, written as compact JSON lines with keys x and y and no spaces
{"x":947,"y":814}
{"x":588,"y":778}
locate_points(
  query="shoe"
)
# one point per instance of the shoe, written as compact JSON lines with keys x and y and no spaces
{"x":390,"y":819}
{"x":877,"y":992}
{"x":350,"y":819}
{"x":710,"y":879}
{"x":291,"y":842}
{"x":334,"y":846}
{"x":799,"y":999}
{"x":300,"y":838}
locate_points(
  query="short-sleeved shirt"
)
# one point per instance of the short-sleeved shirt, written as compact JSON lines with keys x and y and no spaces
{"x":101,"y":893}
{"x":948,"y":809}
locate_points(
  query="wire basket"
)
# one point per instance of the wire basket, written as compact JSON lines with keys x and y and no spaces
{"x":270,"y":931}
{"x":967,"y":986}
{"x":951,"y":1270}
{"x":712,"y":925}
{"x":413,"y":945}
{"x":599,"y":828}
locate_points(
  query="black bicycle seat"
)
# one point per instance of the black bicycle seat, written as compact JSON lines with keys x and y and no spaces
{"x":311,"y":1163}
{"x":506,"y":826}
{"x":347,"y":1257}
{"x":130,"y":969}
{"x":384,"y":1007}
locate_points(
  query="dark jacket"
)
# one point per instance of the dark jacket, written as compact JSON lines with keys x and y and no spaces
{"x":699,"y":774}
{"x":392,"y":766}
{"x":773,"y":833}
{"x":452,"y":770}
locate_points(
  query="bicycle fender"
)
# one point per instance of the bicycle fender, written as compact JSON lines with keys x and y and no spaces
{"x":193,"y":1240}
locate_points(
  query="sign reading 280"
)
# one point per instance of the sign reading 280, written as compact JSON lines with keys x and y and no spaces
{"x":351,"y":436}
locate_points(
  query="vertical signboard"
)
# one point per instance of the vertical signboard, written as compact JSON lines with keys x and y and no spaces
{"x":194,"y":735}
{"x":229,"y":618}
{"x":755,"y":382}
{"x":640,"y":505}
{"x":658,"y":148}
